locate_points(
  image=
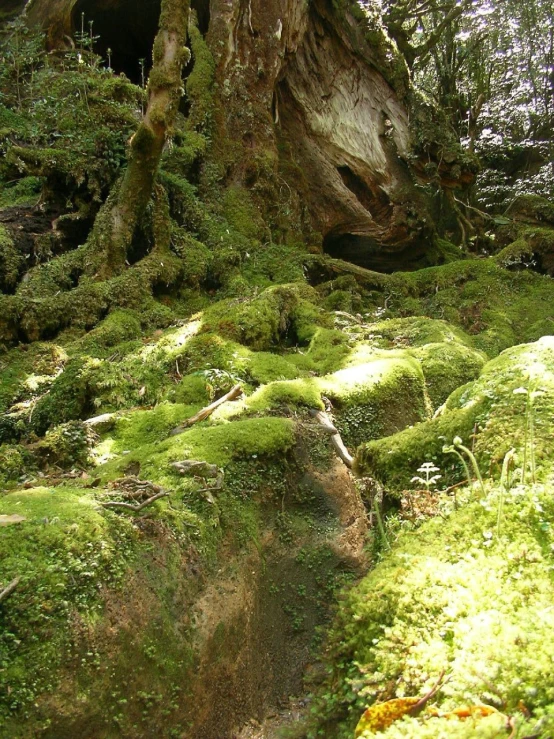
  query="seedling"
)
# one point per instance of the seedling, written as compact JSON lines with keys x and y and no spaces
{"x":426,"y":477}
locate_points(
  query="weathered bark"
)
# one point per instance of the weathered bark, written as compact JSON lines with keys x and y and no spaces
{"x":311,"y":117}
{"x":146,"y":146}
{"x":308,"y":90}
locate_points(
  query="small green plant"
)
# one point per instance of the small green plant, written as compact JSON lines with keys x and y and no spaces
{"x":426,"y":476}
{"x":380,"y":524}
{"x":453,"y":449}
{"x":505,"y":485}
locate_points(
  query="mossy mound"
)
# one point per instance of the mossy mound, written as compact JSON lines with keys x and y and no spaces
{"x":63,"y":550}
{"x":467,"y":595}
{"x":368,"y":399}
{"x":447,"y":367}
{"x":495,"y":306}
{"x":492,"y":415}
{"x":280,"y":315}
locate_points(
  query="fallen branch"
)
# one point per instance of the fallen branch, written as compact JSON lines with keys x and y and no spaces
{"x":323,"y":419}
{"x":135,"y":507}
{"x":233,"y":394}
{"x":8,"y":590}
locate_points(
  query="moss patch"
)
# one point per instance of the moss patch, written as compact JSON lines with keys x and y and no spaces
{"x":489,"y":406}
{"x":456,"y":596}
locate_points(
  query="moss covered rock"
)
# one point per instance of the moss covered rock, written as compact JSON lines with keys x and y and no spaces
{"x":457,"y":595}
{"x":508,"y":407}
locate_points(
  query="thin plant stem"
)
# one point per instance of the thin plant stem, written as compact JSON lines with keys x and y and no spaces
{"x":451,"y":450}
{"x":504,"y":488}
{"x":525,"y":443}
{"x":474,"y":465}
{"x":532,"y":440}
{"x":380,"y":525}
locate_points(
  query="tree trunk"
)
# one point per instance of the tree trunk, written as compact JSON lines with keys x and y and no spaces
{"x":118,"y":219}
{"x":310,"y":117}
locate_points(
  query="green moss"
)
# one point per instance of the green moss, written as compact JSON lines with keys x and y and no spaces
{"x":454,"y":596}
{"x":498,"y":308}
{"x":201,"y":80}
{"x":191,"y":390}
{"x":196,"y":257}
{"x":327,"y":352}
{"x":15,"y":461}
{"x":447,"y":366}
{"x":278,"y":315}
{"x":11,"y":262}
{"x":63,"y":551}
{"x":517,"y":253}
{"x":68,"y":398}
{"x":119,"y":326}
{"x":369,"y":399}
{"x":264,"y":367}
{"x":265,"y":264}
{"x":303,"y":392}
{"x":186,"y":149}
{"x":140,"y":428}
{"x":240,"y":212}
{"x":532,"y":207}
{"x":418,"y":332}
{"x":65,"y":446}
{"x":487,"y":407}
{"x":215,"y":444}
{"x":23,"y":192}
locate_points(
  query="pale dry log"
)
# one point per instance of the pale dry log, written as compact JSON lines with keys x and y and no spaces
{"x":336,"y":439}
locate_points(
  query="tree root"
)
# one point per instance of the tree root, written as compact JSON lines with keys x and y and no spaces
{"x":134,"y":489}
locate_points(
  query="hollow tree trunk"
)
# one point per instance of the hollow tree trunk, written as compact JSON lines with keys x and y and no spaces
{"x":310,"y":116}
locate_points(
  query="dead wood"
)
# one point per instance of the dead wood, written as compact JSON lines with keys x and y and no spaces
{"x":336,"y":440}
{"x":324,"y":421}
{"x":8,"y":590}
{"x":106,"y":420}
{"x":233,"y":394}
{"x":201,"y":471}
{"x":142,"y":492}
{"x":135,"y":507}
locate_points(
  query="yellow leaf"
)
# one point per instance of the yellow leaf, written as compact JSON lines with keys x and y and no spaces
{"x":380,"y":716}
{"x":470,"y":712}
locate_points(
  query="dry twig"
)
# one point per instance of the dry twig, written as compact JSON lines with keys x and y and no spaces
{"x":233,"y":394}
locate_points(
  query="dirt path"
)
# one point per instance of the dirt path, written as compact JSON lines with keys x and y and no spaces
{"x":275,"y":723}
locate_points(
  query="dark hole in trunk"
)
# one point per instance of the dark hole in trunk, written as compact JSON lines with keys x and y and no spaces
{"x":202,"y":8}
{"x":141,"y":245}
{"x":361,"y":250}
{"x":127,"y":28}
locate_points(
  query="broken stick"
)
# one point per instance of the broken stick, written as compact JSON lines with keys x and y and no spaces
{"x":233,"y":394}
{"x":8,"y":590}
{"x":336,"y":440}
